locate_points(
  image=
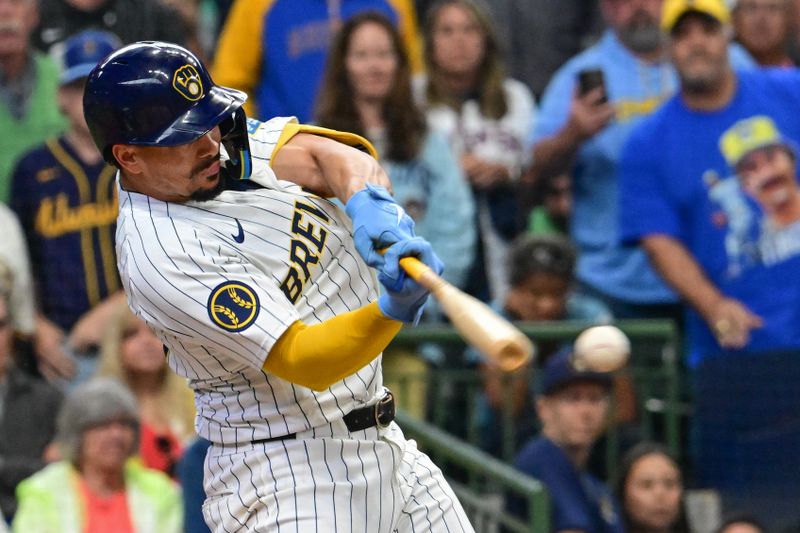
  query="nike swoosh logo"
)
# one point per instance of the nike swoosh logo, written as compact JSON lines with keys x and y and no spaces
{"x":239,"y":237}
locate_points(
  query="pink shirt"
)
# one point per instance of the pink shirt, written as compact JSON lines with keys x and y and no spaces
{"x":104,"y":514}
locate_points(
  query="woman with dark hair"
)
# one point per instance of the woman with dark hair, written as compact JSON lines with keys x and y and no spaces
{"x":650,"y":489}
{"x":486,"y":118}
{"x":367,"y":90}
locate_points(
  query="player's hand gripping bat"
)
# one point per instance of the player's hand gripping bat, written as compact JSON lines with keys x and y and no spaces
{"x":506,"y":346}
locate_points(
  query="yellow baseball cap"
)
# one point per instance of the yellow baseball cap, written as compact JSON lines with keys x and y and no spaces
{"x":673,"y":10}
{"x":748,"y":135}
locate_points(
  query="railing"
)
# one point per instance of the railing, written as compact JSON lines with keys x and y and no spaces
{"x":653,"y":369}
{"x":489,"y":481}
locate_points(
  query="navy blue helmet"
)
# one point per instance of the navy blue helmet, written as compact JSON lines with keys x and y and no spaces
{"x":154,"y":93}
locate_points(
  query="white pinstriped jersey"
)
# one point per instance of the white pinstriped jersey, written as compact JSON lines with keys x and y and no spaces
{"x":220,"y":281}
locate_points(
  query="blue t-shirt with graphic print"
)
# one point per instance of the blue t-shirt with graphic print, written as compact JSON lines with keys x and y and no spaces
{"x":674,"y":180}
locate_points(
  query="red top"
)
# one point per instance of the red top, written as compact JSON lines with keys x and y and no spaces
{"x":106,"y":513}
{"x":159,"y":450}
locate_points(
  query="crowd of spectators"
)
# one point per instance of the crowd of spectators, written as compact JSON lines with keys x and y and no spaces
{"x":667,"y":190}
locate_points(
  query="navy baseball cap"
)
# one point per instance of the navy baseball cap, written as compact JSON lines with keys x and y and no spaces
{"x":83,"y":51}
{"x":558,"y":372}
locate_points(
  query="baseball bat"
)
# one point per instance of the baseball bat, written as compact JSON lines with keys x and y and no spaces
{"x":506,"y":346}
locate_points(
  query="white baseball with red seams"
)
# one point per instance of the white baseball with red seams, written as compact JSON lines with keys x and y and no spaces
{"x":601,"y":349}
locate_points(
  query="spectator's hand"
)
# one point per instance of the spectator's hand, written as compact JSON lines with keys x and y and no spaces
{"x":484,"y":174}
{"x":378,"y":222}
{"x":48,"y":344}
{"x":404,"y":298}
{"x":588,"y":114}
{"x":731,"y":323}
{"x":87,"y":333}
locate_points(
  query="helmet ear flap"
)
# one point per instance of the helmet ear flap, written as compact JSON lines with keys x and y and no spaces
{"x":235,"y":140}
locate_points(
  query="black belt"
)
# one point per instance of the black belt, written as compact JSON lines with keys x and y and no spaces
{"x":380,"y":414}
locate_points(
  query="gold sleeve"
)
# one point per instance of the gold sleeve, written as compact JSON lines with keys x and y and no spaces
{"x":320,"y":355}
{"x":237,"y":62}
{"x":351,"y":139}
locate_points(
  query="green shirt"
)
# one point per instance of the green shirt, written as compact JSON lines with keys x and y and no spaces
{"x":540,"y":223}
{"x":41,"y":121}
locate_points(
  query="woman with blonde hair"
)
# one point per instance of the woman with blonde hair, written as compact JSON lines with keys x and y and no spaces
{"x":131,"y":353}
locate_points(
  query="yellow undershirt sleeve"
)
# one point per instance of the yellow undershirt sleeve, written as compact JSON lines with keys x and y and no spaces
{"x":351,"y":139}
{"x":320,"y":355}
{"x":237,"y":62}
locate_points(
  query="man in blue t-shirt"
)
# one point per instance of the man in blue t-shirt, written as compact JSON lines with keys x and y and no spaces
{"x":572,"y":407}
{"x":708,"y":186}
{"x":582,"y":135}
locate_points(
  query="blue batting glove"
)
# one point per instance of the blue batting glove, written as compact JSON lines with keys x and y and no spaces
{"x":403,"y":298}
{"x":378,"y":222}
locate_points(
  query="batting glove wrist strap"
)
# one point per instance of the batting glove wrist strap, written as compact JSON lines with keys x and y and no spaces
{"x":403,"y":298}
{"x":378,"y":222}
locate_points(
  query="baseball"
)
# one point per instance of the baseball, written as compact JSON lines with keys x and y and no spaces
{"x":601,"y":349}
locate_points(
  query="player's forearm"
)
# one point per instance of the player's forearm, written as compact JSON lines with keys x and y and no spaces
{"x":326,"y":162}
{"x":676,"y":265}
{"x":345,"y":169}
{"x":320,"y":355}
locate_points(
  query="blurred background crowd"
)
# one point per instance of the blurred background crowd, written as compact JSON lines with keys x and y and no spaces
{"x":571,"y":161}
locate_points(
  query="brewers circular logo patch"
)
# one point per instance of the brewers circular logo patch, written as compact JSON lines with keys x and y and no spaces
{"x":187,"y":82}
{"x":233,"y":306}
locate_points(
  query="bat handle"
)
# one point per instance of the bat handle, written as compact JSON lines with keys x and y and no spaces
{"x":422,"y":273}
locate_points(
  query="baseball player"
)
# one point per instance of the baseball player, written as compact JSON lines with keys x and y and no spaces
{"x":262,"y":295}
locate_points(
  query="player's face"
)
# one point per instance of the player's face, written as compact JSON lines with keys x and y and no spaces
{"x":699,"y":49}
{"x":70,"y":101}
{"x":636,"y":22}
{"x":18,"y":18}
{"x":371,"y":62}
{"x":768,"y":175}
{"x":141,"y":351}
{"x":174,"y":173}
{"x":653,"y":493}
{"x":541,"y":296}
{"x":574,"y":416}
{"x":762,"y":25}
{"x":106,"y":447}
{"x":458,"y":41}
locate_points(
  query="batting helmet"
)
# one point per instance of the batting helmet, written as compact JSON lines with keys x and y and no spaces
{"x":154,"y":93}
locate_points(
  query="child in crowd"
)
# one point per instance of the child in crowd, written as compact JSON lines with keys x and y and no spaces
{"x":542,"y":274}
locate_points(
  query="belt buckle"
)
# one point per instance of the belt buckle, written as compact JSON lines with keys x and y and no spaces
{"x":386,"y":400}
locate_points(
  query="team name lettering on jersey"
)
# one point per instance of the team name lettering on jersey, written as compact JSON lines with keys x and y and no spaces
{"x":56,"y":217}
{"x":305,"y":249}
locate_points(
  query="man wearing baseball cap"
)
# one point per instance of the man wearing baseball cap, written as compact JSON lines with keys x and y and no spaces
{"x":572,"y":407}
{"x":742,"y":293}
{"x":674,"y":10}
{"x":65,"y":197}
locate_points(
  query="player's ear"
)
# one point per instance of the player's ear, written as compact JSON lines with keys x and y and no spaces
{"x":127,"y":157}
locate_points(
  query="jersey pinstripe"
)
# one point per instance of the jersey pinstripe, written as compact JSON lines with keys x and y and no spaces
{"x":297,"y":256}
{"x":220,"y":281}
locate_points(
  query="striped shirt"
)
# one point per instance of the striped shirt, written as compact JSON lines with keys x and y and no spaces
{"x":220,"y":281}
